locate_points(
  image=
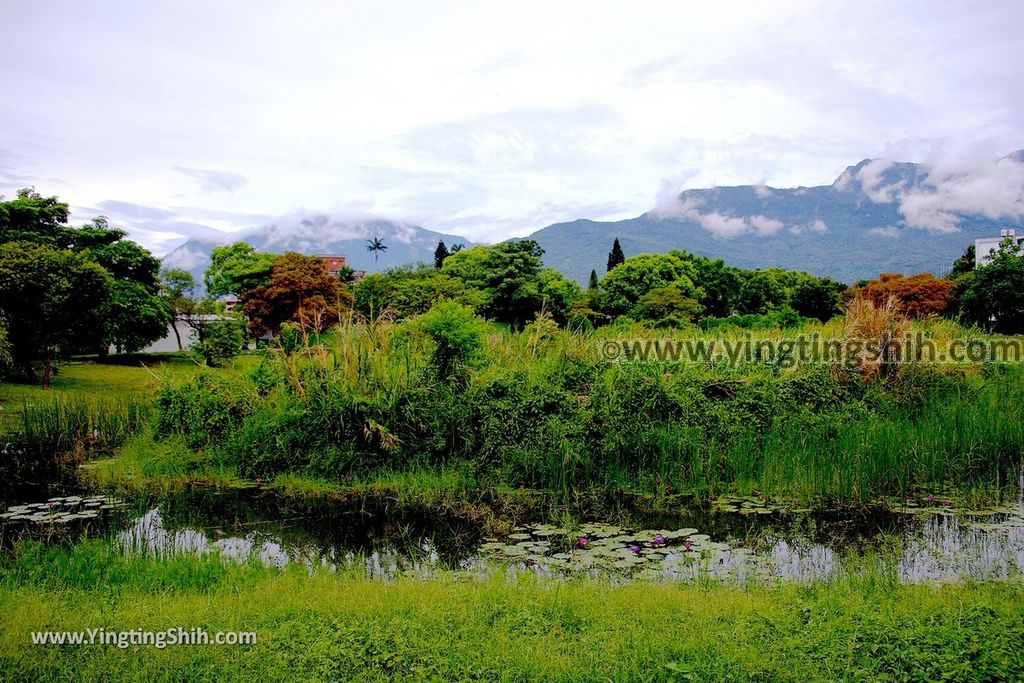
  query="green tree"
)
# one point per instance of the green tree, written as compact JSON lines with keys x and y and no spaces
{"x":615,"y":256}
{"x":54,"y":301}
{"x":666,"y":302}
{"x":33,"y":218}
{"x":179,"y":291}
{"x":237,"y":269}
{"x":760,"y":292}
{"x":593,"y":283}
{"x":963,"y":265}
{"x":508,"y":275}
{"x":134,"y":314}
{"x":817,"y":298}
{"x":440,"y":254}
{"x":407,"y":291}
{"x":638,"y":275}
{"x":992,"y":295}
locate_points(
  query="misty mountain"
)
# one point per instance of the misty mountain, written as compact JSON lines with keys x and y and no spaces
{"x":323,"y":234}
{"x":878,"y":216}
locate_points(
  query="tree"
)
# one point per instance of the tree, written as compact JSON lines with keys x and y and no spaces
{"x":34,"y":218}
{"x":300,"y":290}
{"x":178,"y":289}
{"x":818,"y":298}
{"x":615,"y":256}
{"x":719,"y":283}
{"x":638,"y":275}
{"x":440,"y":254}
{"x":963,"y":265}
{"x":220,"y":340}
{"x":510,"y":280}
{"x":666,"y":302}
{"x":52,"y":301}
{"x":593,"y":284}
{"x":760,"y":293}
{"x":407,"y":291}
{"x":237,"y":269}
{"x":992,"y":295}
{"x":916,"y":296}
{"x":134,"y":315}
{"x":376,"y":247}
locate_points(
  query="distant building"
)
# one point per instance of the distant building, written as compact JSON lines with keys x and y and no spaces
{"x":335,"y":263}
{"x":983,"y":247}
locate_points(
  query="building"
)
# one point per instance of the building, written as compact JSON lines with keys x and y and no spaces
{"x":336,"y":262}
{"x":983,"y":247}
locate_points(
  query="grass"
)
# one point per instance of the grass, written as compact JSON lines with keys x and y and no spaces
{"x":324,"y":626}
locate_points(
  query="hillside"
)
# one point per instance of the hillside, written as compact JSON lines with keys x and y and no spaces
{"x":877,"y":216}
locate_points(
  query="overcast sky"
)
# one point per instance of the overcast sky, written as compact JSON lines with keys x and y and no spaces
{"x":482,"y":119}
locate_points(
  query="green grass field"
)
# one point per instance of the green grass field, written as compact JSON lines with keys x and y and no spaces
{"x":344,"y":627}
{"x":93,"y":378}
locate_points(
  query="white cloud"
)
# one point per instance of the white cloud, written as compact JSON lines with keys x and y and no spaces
{"x":718,"y":224}
{"x":817,"y":225}
{"x":888,"y":231}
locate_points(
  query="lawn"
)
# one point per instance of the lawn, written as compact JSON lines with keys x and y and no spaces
{"x":92,"y":377}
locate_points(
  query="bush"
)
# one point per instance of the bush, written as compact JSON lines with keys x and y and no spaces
{"x":457,"y":334}
{"x":220,"y":341}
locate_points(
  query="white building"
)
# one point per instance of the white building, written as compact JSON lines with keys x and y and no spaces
{"x":983,"y":247}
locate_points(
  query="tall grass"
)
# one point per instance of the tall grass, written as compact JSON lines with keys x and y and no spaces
{"x":57,"y":430}
{"x":542,"y":410}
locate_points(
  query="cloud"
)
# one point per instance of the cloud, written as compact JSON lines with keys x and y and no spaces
{"x":214,"y":181}
{"x":817,"y":225}
{"x":129,"y":211}
{"x":720,"y":225}
{"x":964,"y":186}
{"x":888,"y":231}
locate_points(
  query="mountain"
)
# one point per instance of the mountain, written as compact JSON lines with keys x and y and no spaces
{"x":878,"y":216}
{"x":323,"y":234}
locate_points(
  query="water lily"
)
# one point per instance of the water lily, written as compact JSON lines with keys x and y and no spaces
{"x":259,"y":481}
{"x":947,"y":502}
{"x":583,"y":541}
{"x":634,"y":548}
{"x":687,"y":544}
{"x":931,"y":498}
{"x":659,"y":540}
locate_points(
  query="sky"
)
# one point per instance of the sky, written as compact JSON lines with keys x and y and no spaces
{"x":486,"y":120}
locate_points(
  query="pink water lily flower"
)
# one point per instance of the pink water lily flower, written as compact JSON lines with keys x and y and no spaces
{"x":659,"y":540}
{"x":583,"y":541}
{"x":687,"y":544}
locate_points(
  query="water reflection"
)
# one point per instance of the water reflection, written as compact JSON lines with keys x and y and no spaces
{"x":927,"y":546}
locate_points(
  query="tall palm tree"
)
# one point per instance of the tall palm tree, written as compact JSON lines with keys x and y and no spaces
{"x":376,"y":245}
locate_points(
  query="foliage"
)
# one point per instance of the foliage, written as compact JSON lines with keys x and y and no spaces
{"x":666,"y":302}
{"x":408,"y":291}
{"x":992,"y":295}
{"x":963,"y":264}
{"x":300,"y":290}
{"x":615,"y":256}
{"x":917,"y":296}
{"x":54,"y":301}
{"x":457,"y":334}
{"x":237,"y":269}
{"x":638,"y":275}
{"x":377,"y":247}
{"x":34,"y":218}
{"x":440,"y":254}
{"x":219,"y":340}
{"x":513,"y":284}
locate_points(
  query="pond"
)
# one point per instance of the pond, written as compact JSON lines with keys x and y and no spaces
{"x":733,"y":540}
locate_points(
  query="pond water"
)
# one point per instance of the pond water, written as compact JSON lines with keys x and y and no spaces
{"x":732,"y":539}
